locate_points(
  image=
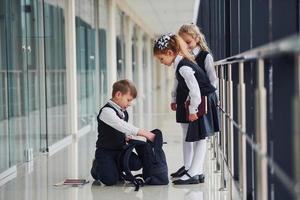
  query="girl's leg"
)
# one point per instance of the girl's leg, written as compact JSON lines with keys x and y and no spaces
{"x":187,"y":148}
{"x":198,"y":159}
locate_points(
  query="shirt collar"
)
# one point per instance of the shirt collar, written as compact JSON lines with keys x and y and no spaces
{"x":177,"y":60}
{"x":116,"y":106}
{"x":196,"y":50}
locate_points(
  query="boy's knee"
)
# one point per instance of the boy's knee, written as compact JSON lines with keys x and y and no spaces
{"x":109,"y":180}
{"x":108,"y":176}
{"x":94,"y":171}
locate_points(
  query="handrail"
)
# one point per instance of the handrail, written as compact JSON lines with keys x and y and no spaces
{"x":290,"y":44}
{"x":286,"y":46}
{"x":290,"y":185}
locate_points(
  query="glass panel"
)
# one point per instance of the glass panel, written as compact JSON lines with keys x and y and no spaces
{"x":103,"y":66}
{"x":134,"y":56}
{"x":85,"y":38}
{"x":102,"y":51}
{"x":120,"y":42}
{"x":134,"y":69}
{"x":17,"y":82}
{"x":4,"y":137}
{"x":146,"y":76}
{"x":56,"y":97}
{"x":33,"y":23}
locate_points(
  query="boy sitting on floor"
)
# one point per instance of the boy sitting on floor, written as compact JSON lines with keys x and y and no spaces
{"x":113,"y":132}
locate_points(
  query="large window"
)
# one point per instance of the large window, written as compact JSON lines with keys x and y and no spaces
{"x":102,"y":37}
{"x":20,"y":82}
{"x":4,"y":137}
{"x":120,"y":42}
{"x":55,"y":60}
{"x":134,"y":69}
{"x":85,"y":52}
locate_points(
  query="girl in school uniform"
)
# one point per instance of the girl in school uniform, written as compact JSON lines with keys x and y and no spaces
{"x":191,"y":83}
{"x":197,"y":45}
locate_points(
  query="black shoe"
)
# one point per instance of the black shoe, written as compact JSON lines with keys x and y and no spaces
{"x":121,"y":180}
{"x":191,"y":180}
{"x":201,"y":178}
{"x":96,"y":183}
{"x":179,"y":173}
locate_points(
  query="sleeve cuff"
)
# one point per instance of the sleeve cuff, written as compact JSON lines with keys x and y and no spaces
{"x":193,"y":110}
{"x":135,"y":131}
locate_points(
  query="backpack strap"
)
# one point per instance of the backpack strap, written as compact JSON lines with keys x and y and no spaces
{"x":125,"y":171}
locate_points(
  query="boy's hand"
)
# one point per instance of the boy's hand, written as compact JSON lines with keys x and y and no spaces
{"x":149,"y":135}
{"x":173,"y":106}
{"x":193,"y":117}
{"x":128,"y":137}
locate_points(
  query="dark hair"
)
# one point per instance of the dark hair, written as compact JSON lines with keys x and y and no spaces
{"x":124,"y":86}
{"x":174,"y":43}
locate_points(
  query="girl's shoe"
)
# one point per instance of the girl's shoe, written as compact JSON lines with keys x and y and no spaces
{"x":191,"y":180}
{"x":201,"y":178}
{"x":179,"y":173}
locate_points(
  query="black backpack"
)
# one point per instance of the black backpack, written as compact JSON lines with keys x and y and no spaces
{"x":153,"y":159}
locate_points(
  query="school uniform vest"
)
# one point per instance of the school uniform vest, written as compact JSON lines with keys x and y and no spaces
{"x":182,"y":91}
{"x":108,"y":137}
{"x":200,"y":59}
{"x":201,"y":77}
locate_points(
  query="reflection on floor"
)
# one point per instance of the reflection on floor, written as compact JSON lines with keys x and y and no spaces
{"x":35,"y":180}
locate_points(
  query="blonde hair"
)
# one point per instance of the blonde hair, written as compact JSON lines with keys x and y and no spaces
{"x":175,"y":44}
{"x":194,"y":32}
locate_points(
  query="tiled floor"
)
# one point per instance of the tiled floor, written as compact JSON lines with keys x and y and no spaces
{"x":35,"y":180}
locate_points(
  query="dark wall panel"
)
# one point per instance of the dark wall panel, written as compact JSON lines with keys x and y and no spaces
{"x":245,"y":28}
{"x":234,"y":27}
{"x":260,"y":25}
{"x":285,"y":23}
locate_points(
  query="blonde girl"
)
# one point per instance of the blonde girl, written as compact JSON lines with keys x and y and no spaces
{"x":197,"y":44}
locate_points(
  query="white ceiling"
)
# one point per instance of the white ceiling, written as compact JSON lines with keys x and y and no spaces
{"x":164,"y":16}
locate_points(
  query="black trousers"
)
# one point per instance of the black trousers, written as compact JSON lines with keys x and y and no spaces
{"x":105,"y":166}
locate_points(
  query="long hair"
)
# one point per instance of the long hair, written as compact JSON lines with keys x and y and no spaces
{"x":173,"y":43}
{"x":194,"y":32}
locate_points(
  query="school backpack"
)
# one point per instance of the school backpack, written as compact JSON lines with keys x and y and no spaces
{"x":153,"y":159}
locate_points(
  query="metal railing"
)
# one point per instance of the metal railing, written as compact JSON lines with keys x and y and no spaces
{"x":223,"y":143}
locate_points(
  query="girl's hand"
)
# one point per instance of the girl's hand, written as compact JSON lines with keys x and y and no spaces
{"x":173,"y":106}
{"x":192,"y":117}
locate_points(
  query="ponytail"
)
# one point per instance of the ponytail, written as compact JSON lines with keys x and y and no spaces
{"x":183,"y":49}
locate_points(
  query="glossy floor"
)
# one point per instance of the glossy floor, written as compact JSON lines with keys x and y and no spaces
{"x":35,"y":179}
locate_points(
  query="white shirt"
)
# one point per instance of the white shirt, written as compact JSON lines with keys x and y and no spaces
{"x":194,"y":91}
{"x":110,"y":117}
{"x":209,"y":67}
